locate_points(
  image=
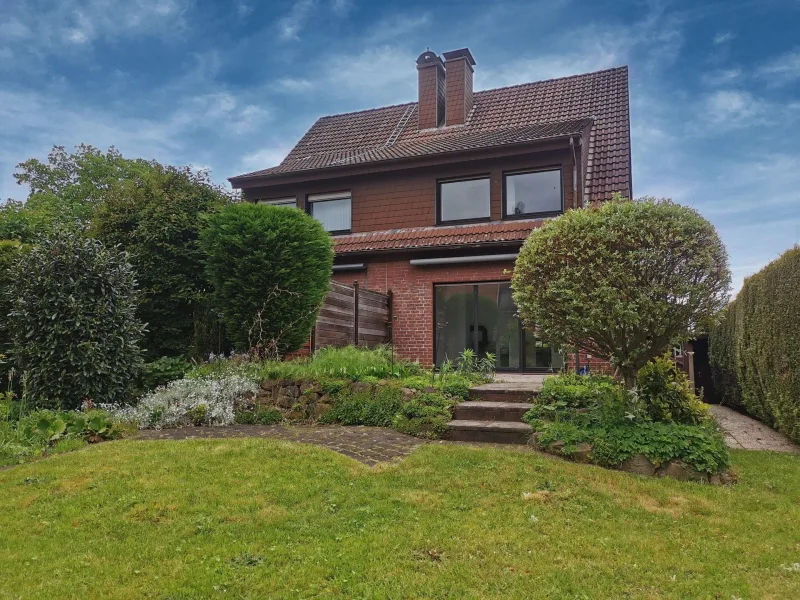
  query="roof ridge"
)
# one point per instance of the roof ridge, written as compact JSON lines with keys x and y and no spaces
{"x":506,"y":87}
{"x":519,"y":85}
{"x":365,"y":110}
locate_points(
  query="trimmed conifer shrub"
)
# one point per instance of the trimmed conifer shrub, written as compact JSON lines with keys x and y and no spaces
{"x":270,"y":266}
{"x":755,"y":349}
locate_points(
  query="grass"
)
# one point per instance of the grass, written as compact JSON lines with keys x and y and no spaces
{"x":249,"y":518}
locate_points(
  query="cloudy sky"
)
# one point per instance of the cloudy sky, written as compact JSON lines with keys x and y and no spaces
{"x":715,"y":87}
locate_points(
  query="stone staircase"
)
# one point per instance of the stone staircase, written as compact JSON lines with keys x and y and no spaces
{"x":494,"y":412}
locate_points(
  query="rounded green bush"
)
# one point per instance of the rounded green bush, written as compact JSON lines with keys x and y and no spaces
{"x":623,"y":280}
{"x":270,"y":267}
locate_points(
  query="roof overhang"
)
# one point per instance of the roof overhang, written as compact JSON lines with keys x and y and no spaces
{"x":332,"y":172}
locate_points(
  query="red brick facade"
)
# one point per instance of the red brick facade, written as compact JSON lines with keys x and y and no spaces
{"x":412,"y":296}
{"x":407,"y":198}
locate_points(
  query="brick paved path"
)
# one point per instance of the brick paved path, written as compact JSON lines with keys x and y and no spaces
{"x":370,"y":445}
{"x":746,"y":433}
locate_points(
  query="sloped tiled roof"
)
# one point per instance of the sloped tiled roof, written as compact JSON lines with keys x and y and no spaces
{"x":594,"y":105}
{"x":496,"y":232}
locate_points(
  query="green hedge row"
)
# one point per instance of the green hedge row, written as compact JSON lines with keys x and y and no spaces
{"x":755,"y":349}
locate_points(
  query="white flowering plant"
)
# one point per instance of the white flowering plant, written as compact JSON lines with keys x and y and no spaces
{"x":200,"y":401}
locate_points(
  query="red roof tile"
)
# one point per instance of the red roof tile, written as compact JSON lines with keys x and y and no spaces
{"x":594,"y":105}
{"x":495,"y":232}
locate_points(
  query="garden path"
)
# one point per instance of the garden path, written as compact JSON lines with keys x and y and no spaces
{"x":746,"y":433}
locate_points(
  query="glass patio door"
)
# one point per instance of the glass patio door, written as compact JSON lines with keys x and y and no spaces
{"x":482,"y":317}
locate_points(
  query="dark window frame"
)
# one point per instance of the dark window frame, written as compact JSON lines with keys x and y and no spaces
{"x":345,"y":195}
{"x":541,"y":214}
{"x":522,"y":331}
{"x":272,"y":201}
{"x":439,"y":183}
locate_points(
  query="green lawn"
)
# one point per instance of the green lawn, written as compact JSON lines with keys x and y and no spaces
{"x":267,"y":519}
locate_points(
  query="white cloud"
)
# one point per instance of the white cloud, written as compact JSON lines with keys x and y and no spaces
{"x":730,"y":109}
{"x":782,"y":69}
{"x":723,"y":37}
{"x":723,"y":76}
{"x":14,"y":28}
{"x":341,"y":7}
{"x":293,"y":85}
{"x":289,"y":27}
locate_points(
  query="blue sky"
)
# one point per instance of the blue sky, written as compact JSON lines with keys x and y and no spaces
{"x":715,"y":87}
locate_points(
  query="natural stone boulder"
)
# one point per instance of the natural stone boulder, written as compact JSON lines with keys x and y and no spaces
{"x":638,"y":464}
{"x":308,"y":387}
{"x":408,"y":394}
{"x":582,"y":453}
{"x":360,"y":387}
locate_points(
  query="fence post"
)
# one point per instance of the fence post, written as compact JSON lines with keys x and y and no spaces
{"x":355,"y":313}
{"x":389,"y":296}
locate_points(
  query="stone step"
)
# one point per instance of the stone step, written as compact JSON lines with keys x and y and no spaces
{"x":496,"y":432}
{"x":493,"y":392}
{"x":477,"y":410}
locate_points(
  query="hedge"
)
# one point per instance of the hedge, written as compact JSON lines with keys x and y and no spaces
{"x":755,"y":349}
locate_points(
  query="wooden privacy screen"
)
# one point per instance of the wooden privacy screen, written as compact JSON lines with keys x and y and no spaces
{"x":353,"y":316}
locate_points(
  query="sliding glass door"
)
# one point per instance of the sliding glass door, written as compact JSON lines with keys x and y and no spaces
{"x":482,"y":317}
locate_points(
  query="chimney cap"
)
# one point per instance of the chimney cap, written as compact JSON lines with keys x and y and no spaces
{"x":429,"y":58}
{"x":460,"y":53}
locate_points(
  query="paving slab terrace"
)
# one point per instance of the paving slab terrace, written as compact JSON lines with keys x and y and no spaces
{"x":369,"y":445}
{"x":746,"y":433}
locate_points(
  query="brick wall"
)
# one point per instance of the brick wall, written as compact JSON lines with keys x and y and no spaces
{"x":431,"y":95}
{"x":408,"y":198}
{"x":459,"y":91}
{"x":412,"y":300}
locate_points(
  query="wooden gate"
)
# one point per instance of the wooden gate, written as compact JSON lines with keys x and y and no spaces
{"x":351,"y":315}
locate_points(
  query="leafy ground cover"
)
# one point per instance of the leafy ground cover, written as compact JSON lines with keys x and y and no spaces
{"x":250,"y":518}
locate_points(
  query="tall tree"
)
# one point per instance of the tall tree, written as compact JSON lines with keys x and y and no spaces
{"x":157,"y":216}
{"x":623,"y":280}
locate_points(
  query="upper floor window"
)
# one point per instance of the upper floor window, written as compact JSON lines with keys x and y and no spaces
{"x":536,"y":193}
{"x":332,"y":210}
{"x":288,"y":201}
{"x":464,"y":200}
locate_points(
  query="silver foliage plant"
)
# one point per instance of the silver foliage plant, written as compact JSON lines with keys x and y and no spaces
{"x":202,"y":401}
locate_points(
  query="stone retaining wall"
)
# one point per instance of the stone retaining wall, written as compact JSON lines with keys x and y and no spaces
{"x":303,"y":400}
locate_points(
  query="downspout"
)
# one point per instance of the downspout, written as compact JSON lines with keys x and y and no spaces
{"x":575,"y":205}
{"x":574,"y":173}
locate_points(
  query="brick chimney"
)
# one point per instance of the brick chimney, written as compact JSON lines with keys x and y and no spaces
{"x":458,"y":65}
{"x":431,"y":90}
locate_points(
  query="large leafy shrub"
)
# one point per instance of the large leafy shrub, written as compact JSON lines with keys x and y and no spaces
{"x":201,"y":401}
{"x":10,"y":251}
{"x":755,"y":349}
{"x":156,"y":216}
{"x":73,"y":322}
{"x":662,"y":419}
{"x":668,"y":394}
{"x":623,"y":280}
{"x":270,"y":267}
{"x":24,"y":436}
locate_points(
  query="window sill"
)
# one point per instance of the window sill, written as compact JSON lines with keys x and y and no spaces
{"x":463,"y":221}
{"x":539,"y":215}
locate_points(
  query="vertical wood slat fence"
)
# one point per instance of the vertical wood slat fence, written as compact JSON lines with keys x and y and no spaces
{"x":351,"y":315}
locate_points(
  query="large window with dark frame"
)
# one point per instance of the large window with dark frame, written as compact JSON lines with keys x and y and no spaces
{"x":463,"y":200}
{"x":333,"y":210}
{"x":532,"y":193}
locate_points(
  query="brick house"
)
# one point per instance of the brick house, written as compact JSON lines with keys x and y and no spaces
{"x":433,"y":199}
